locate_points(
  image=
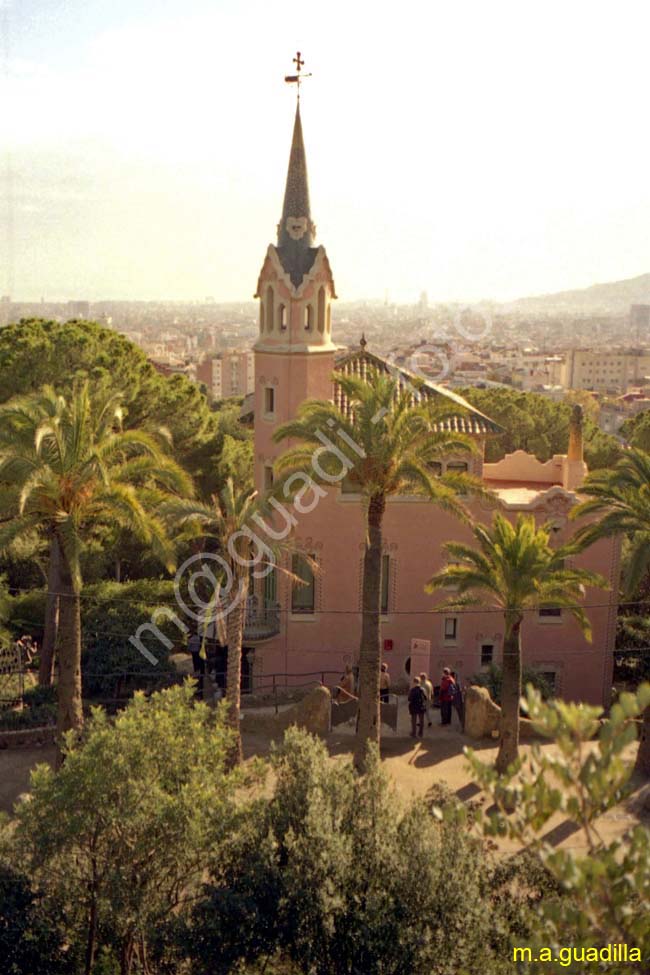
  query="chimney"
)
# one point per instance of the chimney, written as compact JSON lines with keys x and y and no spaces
{"x":574,"y":469}
{"x":575,"y":451}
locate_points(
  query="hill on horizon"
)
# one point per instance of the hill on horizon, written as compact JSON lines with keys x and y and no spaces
{"x":612,"y":298}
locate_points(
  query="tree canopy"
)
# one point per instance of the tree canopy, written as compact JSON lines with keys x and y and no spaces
{"x":35,"y":353}
{"x":539,"y":425}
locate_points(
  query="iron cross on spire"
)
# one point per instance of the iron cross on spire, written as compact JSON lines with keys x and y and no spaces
{"x":295,"y":79}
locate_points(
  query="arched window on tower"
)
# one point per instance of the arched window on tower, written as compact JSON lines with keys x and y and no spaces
{"x":282,"y":314}
{"x":261,"y":315}
{"x":270,"y":300}
{"x":309,"y":318}
{"x":329,"y":319}
{"x":321,"y":309}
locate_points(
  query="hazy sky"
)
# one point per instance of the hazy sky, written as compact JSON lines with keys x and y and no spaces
{"x":467,"y":148}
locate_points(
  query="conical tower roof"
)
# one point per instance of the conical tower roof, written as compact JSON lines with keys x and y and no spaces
{"x":296,"y":230}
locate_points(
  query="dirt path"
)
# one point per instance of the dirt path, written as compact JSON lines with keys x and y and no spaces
{"x":414,"y":766}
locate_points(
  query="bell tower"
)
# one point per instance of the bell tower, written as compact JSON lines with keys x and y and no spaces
{"x":294,"y":352}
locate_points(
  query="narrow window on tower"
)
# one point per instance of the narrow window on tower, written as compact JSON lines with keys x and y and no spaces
{"x":269,"y":401}
{"x":282,"y":311}
{"x":329,"y":319}
{"x":321,"y":309}
{"x":269,"y":308}
{"x":309,"y":318}
{"x":261,"y":316}
{"x":385,"y":583}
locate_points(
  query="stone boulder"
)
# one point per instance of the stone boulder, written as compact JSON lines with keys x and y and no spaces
{"x":482,"y":715}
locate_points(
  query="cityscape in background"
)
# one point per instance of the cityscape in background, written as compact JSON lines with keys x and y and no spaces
{"x":594,"y":340}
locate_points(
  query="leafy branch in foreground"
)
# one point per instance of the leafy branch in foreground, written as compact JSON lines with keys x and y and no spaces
{"x":583,"y":776}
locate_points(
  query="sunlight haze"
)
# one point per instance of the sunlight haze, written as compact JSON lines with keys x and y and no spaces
{"x":471,"y":150}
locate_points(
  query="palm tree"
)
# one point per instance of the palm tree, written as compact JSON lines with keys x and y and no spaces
{"x":620,"y":498}
{"x":515,"y":569}
{"x":77,"y":473}
{"x":398,"y":437}
{"x":233,"y":519}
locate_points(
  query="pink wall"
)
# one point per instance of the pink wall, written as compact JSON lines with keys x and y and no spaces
{"x":414,"y":532}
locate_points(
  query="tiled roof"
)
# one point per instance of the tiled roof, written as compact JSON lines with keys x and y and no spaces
{"x":361,"y":363}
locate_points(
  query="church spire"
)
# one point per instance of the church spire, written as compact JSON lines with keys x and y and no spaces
{"x":296,"y":231}
{"x":295,"y":224}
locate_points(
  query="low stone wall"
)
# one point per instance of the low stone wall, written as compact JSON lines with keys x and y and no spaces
{"x":312,"y":713}
{"x":27,"y":736}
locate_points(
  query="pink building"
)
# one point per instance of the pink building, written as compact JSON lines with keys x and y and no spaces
{"x":316,"y":628}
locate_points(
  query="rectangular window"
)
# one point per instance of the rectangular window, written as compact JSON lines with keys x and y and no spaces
{"x":270,"y":589}
{"x":551,"y":679}
{"x":451,"y":627}
{"x":550,"y":611}
{"x":269,"y":401}
{"x":457,"y":467}
{"x":487,"y":654}
{"x":385,"y":583}
{"x":349,"y":485}
{"x":303,"y":595}
{"x":268,"y":477}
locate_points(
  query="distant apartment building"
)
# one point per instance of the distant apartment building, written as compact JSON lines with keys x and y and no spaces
{"x":227,"y":374}
{"x":606,"y":370}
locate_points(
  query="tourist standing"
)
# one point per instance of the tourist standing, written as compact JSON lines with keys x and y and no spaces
{"x":447,"y":694}
{"x":458,"y":701}
{"x":427,"y":687}
{"x":417,"y":701}
{"x":346,"y":686}
{"x":384,"y":684}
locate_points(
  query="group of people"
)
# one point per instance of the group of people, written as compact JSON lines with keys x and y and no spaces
{"x":420,"y":698}
{"x":420,"y":701}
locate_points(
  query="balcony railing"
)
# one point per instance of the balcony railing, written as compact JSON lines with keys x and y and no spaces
{"x":262,"y":619}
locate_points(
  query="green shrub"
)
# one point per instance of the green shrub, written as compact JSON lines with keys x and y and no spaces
{"x":336,"y":876}
{"x":39,"y":710}
{"x":112,"y":667}
{"x":119,"y":835}
{"x":26,"y":612}
{"x":606,"y":885}
{"x":31,"y":936}
{"x":492,"y":679}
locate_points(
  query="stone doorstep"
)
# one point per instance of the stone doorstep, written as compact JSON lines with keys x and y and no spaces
{"x":27,"y":736}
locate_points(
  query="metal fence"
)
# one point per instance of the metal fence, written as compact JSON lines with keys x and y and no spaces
{"x":12,"y":675}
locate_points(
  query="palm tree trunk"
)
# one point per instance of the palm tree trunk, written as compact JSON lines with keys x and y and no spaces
{"x":368,"y":725}
{"x":70,"y":710}
{"x":510,"y":695}
{"x":643,"y":754}
{"x":46,"y":666}
{"x":235,"y":631}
